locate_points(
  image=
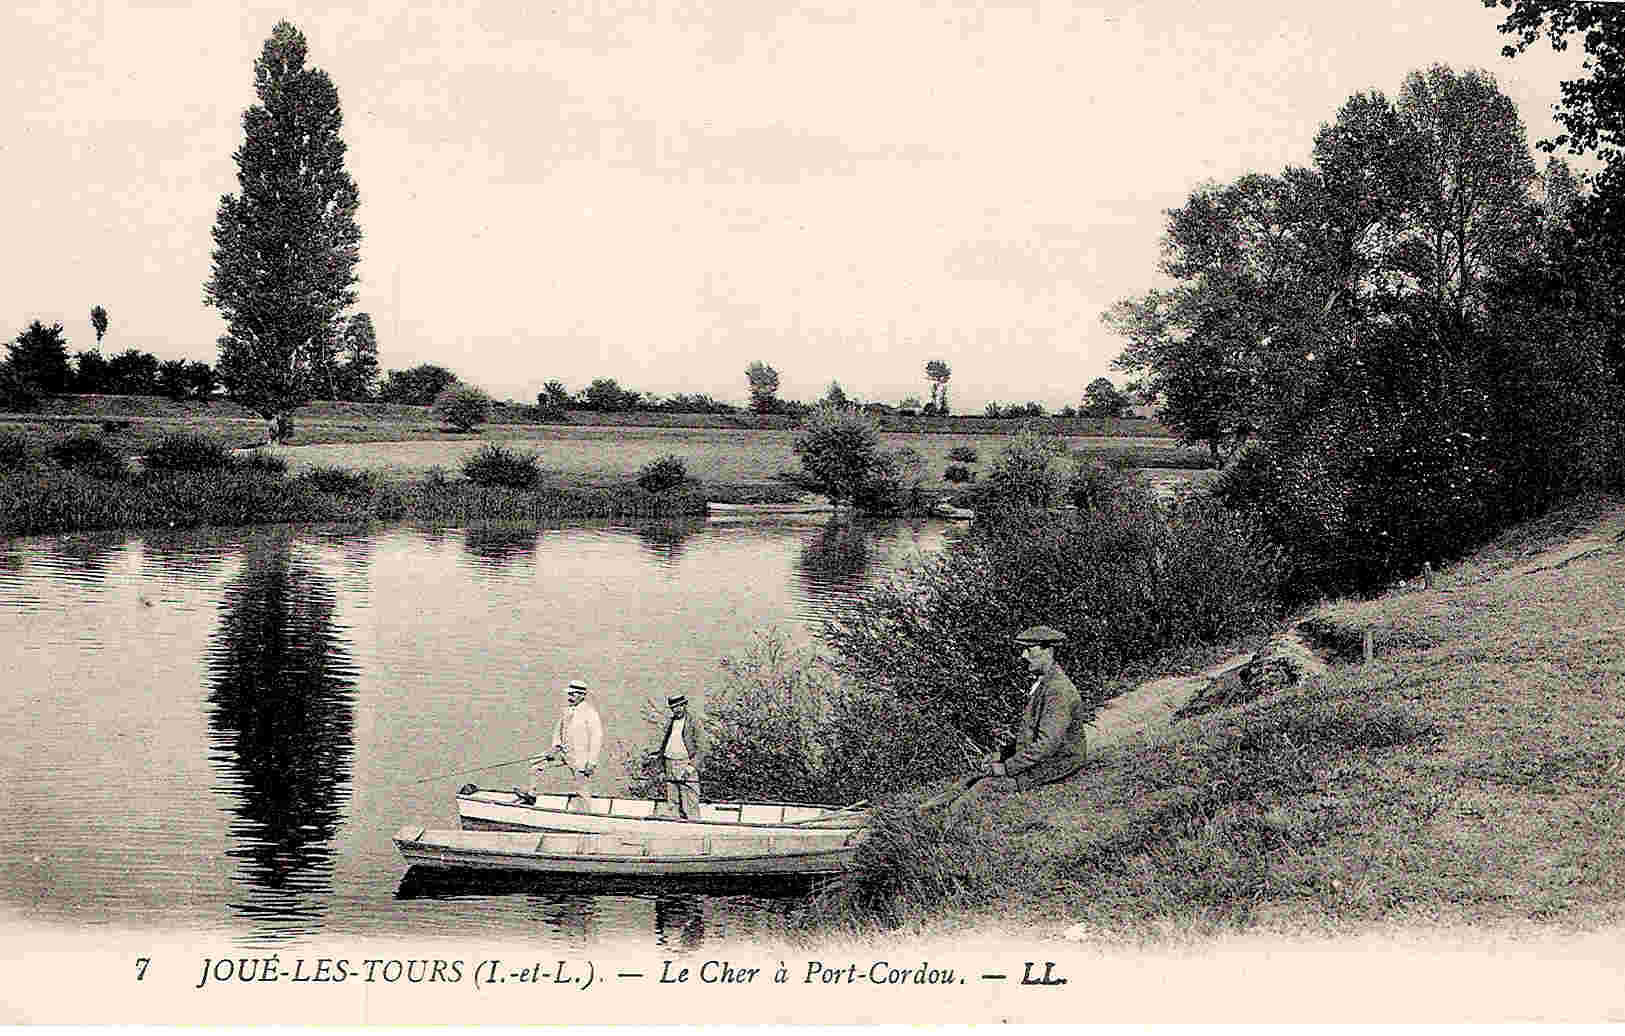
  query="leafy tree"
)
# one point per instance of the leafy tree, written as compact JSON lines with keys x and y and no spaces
{"x":1224,"y":349}
{"x":554,"y":399}
{"x":1101,"y":399}
{"x":607,"y":396}
{"x":1470,"y":215}
{"x":764,"y":387}
{"x":416,"y":386}
{"x":172,"y":379}
{"x":358,"y":374}
{"x":836,"y":396}
{"x":17,"y":393}
{"x":938,"y":373}
{"x":1592,"y":109}
{"x":39,"y":355}
{"x":200,"y":380}
{"x":286,"y":246}
{"x":839,"y":448}
{"x":91,"y":372}
{"x":133,"y":372}
{"x":98,"y":320}
{"x":463,"y":407}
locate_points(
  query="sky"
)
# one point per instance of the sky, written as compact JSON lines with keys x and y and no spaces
{"x":664,"y":192}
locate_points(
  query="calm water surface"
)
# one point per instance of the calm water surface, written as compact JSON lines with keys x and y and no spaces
{"x":221,"y":730}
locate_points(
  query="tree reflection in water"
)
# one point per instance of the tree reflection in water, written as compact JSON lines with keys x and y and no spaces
{"x":495,"y":544}
{"x":665,"y":539}
{"x":281,"y":734}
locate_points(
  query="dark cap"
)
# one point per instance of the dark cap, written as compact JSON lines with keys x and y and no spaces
{"x":576,"y":687}
{"x":1043,"y":636}
{"x":676,"y":700}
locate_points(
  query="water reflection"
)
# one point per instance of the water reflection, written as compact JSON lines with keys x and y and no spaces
{"x":87,"y":553}
{"x":665,"y":540}
{"x":679,"y":921}
{"x":500,"y":543}
{"x":281,"y":733}
{"x":838,"y":556}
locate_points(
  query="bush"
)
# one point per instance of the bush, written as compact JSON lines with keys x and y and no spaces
{"x":959,"y":473}
{"x":780,"y":725}
{"x":13,"y":451}
{"x":1025,"y":474}
{"x":893,"y":482}
{"x":188,"y":451}
{"x":88,"y":454}
{"x":110,"y":426}
{"x":1124,"y":583}
{"x":963,"y":454}
{"x":1094,"y":485}
{"x":17,"y":391}
{"x":495,"y":465}
{"x":437,"y":477}
{"x":340,"y":481}
{"x":840,"y":452}
{"x":668,"y":472}
{"x":462,"y":407}
{"x":263,"y":461}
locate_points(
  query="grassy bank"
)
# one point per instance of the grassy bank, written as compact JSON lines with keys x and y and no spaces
{"x":1471,"y":773}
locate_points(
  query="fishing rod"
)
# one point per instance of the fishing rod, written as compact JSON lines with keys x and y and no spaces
{"x":479,"y":769}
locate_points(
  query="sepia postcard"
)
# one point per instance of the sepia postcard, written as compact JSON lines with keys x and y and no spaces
{"x":931,"y":512}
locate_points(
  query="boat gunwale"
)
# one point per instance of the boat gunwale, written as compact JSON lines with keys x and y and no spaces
{"x":820,"y":822}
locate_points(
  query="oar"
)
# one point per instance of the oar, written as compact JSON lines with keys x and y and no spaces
{"x":830,"y":814}
{"x":480,"y":769}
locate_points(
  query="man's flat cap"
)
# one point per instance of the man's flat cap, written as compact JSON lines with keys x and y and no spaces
{"x":1041,"y":635}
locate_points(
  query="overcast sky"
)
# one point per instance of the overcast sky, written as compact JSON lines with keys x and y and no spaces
{"x":663,"y":192}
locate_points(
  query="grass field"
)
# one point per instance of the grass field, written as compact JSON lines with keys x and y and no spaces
{"x":606,"y":455}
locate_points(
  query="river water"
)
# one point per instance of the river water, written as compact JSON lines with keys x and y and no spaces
{"x":219,"y":731}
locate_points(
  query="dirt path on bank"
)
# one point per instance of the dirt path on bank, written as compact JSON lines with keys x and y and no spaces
{"x":1149,"y":708}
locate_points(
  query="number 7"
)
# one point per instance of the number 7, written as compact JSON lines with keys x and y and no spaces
{"x":141,"y":967}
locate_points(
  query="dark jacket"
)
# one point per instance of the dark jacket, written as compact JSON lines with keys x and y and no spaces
{"x":691,"y":737}
{"x":1050,"y":741}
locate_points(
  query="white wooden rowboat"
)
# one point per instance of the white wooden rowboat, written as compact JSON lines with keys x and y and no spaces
{"x":542,"y":852}
{"x":490,"y":809}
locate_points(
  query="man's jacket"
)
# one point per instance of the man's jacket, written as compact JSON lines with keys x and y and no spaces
{"x":691,"y":737}
{"x":1050,"y":742}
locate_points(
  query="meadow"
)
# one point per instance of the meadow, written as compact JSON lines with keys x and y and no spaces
{"x":596,"y":455}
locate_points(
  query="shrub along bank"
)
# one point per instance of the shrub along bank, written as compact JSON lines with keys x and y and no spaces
{"x":186,"y":480}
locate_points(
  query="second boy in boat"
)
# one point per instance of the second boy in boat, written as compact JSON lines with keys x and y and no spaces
{"x":680,"y":756}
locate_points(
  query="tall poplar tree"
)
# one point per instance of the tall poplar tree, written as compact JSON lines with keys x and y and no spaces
{"x":287,"y":244}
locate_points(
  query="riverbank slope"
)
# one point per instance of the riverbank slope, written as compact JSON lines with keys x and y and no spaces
{"x":1471,"y":773}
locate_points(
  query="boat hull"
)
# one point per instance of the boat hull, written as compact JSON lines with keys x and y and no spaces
{"x":614,"y":856}
{"x":487,"y":809}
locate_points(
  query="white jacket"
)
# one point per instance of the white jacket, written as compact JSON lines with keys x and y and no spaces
{"x":579,"y":735}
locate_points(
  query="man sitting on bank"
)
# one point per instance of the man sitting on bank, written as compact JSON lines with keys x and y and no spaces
{"x":1049,"y":745}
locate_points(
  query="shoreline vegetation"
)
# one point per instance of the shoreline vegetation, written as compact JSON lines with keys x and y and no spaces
{"x":83,"y":463}
{"x":1468,"y":773}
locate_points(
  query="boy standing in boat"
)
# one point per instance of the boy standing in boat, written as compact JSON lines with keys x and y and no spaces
{"x":578,"y":738}
{"x":680,"y":754}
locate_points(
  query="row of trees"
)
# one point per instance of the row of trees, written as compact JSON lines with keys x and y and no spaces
{"x":1398,"y":347}
{"x":37,"y":362}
